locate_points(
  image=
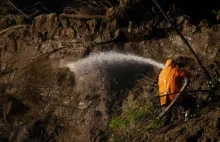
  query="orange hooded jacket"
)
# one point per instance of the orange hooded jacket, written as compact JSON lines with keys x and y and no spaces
{"x":170,"y":81}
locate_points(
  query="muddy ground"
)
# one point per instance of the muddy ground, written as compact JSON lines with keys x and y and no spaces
{"x":42,"y":102}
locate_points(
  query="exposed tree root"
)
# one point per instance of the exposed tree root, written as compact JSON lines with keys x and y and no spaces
{"x":15,"y":27}
{"x":73,"y":16}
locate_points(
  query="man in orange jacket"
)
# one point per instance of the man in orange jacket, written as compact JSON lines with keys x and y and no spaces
{"x":170,"y":83}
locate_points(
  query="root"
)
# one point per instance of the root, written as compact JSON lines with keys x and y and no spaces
{"x":72,"y":16}
{"x":11,"y":28}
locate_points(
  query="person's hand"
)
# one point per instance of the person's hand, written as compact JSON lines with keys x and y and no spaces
{"x":186,"y":80}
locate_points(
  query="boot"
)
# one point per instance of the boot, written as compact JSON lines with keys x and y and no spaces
{"x":187,"y":115}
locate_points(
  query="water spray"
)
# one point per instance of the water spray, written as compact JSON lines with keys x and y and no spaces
{"x":116,"y":67}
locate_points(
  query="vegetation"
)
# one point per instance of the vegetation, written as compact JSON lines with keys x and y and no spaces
{"x":217,"y":13}
{"x":135,"y":117}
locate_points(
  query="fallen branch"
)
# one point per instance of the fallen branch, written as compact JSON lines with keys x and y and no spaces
{"x":72,"y":16}
{"x":15,"y":27}
{"x":207,"y":75}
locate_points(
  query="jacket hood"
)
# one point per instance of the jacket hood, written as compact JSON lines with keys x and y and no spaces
{"x":170,"y":62}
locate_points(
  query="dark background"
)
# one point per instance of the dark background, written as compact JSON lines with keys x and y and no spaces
{"x":196,"y":9}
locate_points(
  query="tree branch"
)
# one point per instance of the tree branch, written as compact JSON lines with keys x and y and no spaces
{"x":207,"y":75}
{"x":25,"y":15}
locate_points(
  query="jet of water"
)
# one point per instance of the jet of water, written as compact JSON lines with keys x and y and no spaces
{"x":100,"y":60}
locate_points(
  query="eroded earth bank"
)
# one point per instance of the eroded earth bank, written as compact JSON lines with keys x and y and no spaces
{"x":42,"y":100}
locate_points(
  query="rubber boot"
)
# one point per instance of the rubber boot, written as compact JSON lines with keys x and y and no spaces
{"x":187,"y":115}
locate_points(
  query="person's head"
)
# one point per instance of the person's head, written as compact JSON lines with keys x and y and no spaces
{"x":170,"y":62}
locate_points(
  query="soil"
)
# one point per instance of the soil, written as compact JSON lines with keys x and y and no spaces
{"x":42,"y":102}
